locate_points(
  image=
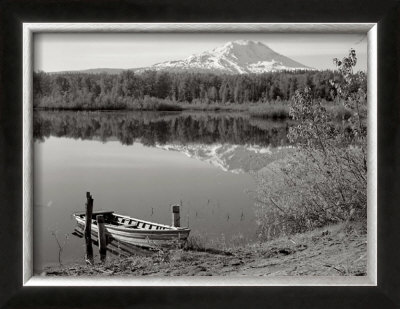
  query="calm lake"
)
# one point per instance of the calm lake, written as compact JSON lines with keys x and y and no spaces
{"x":139,"y":163}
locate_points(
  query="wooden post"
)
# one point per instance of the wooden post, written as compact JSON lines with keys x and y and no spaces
{"x":176,"y":217}
{"x":102,"y":238}
{"x":88,"y":228}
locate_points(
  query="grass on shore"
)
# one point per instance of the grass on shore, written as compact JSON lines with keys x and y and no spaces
{"x":278,"y":109}
{"x":337,"y":250}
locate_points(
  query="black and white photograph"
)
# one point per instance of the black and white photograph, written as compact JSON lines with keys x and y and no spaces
{"x":237,"y":154}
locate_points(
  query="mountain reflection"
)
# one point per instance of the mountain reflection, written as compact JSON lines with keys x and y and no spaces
{"x":151,"y":128}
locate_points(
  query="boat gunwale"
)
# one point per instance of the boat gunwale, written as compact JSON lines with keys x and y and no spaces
{"x":169,"y":229}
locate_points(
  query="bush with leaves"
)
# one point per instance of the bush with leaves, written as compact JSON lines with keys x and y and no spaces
{"x":325,"y":181}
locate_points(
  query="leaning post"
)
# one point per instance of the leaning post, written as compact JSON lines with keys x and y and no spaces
{"x":102,"y":238}
{"x":88,"y":228}
{"x":176,"y":217}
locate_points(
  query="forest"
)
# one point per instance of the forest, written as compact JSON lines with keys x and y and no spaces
{"x":161,"y":90}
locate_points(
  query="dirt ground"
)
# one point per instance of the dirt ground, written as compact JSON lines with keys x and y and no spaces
{"x":331,"y":251}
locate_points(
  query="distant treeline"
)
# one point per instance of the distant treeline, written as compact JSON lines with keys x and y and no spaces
{"x":153,"y":90}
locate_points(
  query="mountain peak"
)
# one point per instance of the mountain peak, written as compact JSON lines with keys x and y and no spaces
{"x":244,"y":42}
{"x":235,"y":57}
{"x":241,"y":42}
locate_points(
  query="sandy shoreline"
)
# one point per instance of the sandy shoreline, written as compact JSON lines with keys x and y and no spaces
{"x":338,"y":250}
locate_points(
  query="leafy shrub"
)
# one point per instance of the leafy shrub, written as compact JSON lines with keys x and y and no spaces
{"x":326,"y":180}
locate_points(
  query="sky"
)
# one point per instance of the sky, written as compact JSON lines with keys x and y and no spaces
{"x":79,"y":51}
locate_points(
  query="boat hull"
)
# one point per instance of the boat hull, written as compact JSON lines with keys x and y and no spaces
{"x":141,"y":237}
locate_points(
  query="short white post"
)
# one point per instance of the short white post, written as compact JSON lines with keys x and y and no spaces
{"x":176,"y":217}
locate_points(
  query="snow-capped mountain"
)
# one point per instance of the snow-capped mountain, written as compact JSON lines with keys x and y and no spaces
{"x":237,"y":57}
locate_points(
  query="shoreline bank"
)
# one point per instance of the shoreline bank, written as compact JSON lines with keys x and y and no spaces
{"x":338,"y":250}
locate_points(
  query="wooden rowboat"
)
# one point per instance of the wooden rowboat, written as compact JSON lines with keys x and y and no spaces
{"x":134,"y":231}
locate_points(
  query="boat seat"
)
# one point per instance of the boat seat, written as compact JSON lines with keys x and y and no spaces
{"x":131,"y":225}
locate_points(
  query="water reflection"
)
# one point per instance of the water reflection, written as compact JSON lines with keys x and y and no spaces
{"x":200,"y":160}
{"x":151,"y":128}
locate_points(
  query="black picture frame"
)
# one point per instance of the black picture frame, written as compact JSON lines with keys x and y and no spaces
{"x":13,"y":13}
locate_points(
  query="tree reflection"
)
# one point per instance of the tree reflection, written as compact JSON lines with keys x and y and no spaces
{"x":151,"y":128}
